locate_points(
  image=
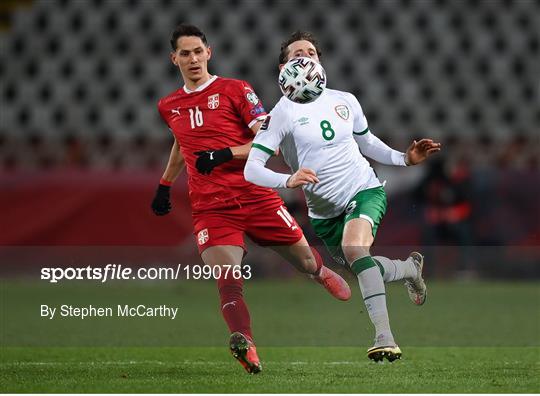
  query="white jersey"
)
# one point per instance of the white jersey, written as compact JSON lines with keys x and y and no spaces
{"x":319,"y":136}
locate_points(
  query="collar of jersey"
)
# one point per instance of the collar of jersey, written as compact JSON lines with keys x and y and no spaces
{"x":201,"y":87}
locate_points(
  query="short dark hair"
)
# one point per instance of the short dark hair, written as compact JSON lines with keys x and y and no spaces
{"x":297,"y":36}
{"x":185,"y":29}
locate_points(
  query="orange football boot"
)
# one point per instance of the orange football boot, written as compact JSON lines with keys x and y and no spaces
{"x":245,"y":352}
{"x":334,"y":283}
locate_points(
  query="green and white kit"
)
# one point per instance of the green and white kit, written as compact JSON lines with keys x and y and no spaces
{"x":330,"y":136}
{"x":367,"y":204}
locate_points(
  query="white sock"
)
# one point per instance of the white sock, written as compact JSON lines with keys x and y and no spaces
{"x":396,"y":269}
{"x":373,"y":291}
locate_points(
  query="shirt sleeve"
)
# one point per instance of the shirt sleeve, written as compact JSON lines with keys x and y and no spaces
{"x":373,"y":147}
{"x":370,"y":145}
{"x":272,"y":131}
{"x":248,"y":104}
{"x":257,"y":173}
{"x":267,"y":140}
{"x":163,"y":115}
{"x":360,"y":125}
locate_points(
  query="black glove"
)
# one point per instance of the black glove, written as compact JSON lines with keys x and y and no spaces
{"x":209,"y":159}
{"x":161,"y":205}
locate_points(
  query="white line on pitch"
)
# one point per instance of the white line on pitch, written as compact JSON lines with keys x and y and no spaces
{"x":159,"y":362}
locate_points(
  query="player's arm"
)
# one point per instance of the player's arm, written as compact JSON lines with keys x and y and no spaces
{"x":161,"y":204}
{"x":175,"y":165}
{"x":419,"y":151}
{"x":371,"y":146}
{"x":242,"y":152}
{"x":207,"y":160}
{"x":256,"y":171}
{"x":246,"y":104}
{"x":265,"y":145}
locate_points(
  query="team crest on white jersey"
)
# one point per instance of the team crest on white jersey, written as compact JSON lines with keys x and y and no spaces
{"x":213,"y":101}
{"x":202,"y":236}
{"x":342,"y":111}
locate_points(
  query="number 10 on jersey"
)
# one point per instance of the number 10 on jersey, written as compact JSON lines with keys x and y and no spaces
{"x":195,"y":117}
{"x":287,"y":218}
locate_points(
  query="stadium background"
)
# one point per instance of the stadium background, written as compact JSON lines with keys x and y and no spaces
{"x":82,"y":145}
{"x":82,"y":148}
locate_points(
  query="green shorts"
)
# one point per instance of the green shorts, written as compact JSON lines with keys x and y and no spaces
{"x":367,"y":204}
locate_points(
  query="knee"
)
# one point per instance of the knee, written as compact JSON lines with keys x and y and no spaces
{"x":308,"y":264}
{"x":229,"y":280}
{"x":353,"y":253}
{"x":230,"y":285}
{"x":302,"y":257}
{"x":357,"y":239}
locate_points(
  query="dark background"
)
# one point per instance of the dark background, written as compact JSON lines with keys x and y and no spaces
{"x":82,"y":146}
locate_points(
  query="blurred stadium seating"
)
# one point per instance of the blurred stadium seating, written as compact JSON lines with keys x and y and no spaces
{"x":81,"y":78}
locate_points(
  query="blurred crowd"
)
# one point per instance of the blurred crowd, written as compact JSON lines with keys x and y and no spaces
{"x":143,"y":152}
{"x":81,"y":80}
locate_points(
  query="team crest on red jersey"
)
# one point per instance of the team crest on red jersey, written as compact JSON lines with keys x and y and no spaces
{"x":213,"y":101}
{"x":202,"y":236}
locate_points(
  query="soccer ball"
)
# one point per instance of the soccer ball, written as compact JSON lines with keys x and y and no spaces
{"x":302,"y":80}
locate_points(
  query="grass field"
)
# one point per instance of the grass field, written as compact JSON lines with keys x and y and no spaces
{"x":286,"y":370}
{"x":469,"y":337}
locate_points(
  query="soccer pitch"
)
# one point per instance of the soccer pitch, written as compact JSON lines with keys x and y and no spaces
{"x":285,"y":370}
{"x":469,"y":337}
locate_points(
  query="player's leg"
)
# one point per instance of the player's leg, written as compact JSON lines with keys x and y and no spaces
{"x":357,"y":239}
{"x":270,"y":224}
{"x":371,"y":206}
{"x":300,"y":255}
{"x":410,"y":270}
{"x":308,"y":260}
{"x":331,"y":232}
{"x":233,"y":307}
{"x":220,"y":239}
{"x":363,"y":216}
{"x":394,"y":270}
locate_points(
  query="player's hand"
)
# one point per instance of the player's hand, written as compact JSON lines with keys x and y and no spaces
{"x":302,"y":177}
{"x":207,"y":160}
{"x":161,"y":205}
{"x":419,"y":151}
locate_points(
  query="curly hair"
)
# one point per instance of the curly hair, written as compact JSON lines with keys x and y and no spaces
{"x":297,"y":36}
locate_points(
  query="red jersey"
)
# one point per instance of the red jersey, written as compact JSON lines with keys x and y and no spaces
{"x":216,"y":115}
